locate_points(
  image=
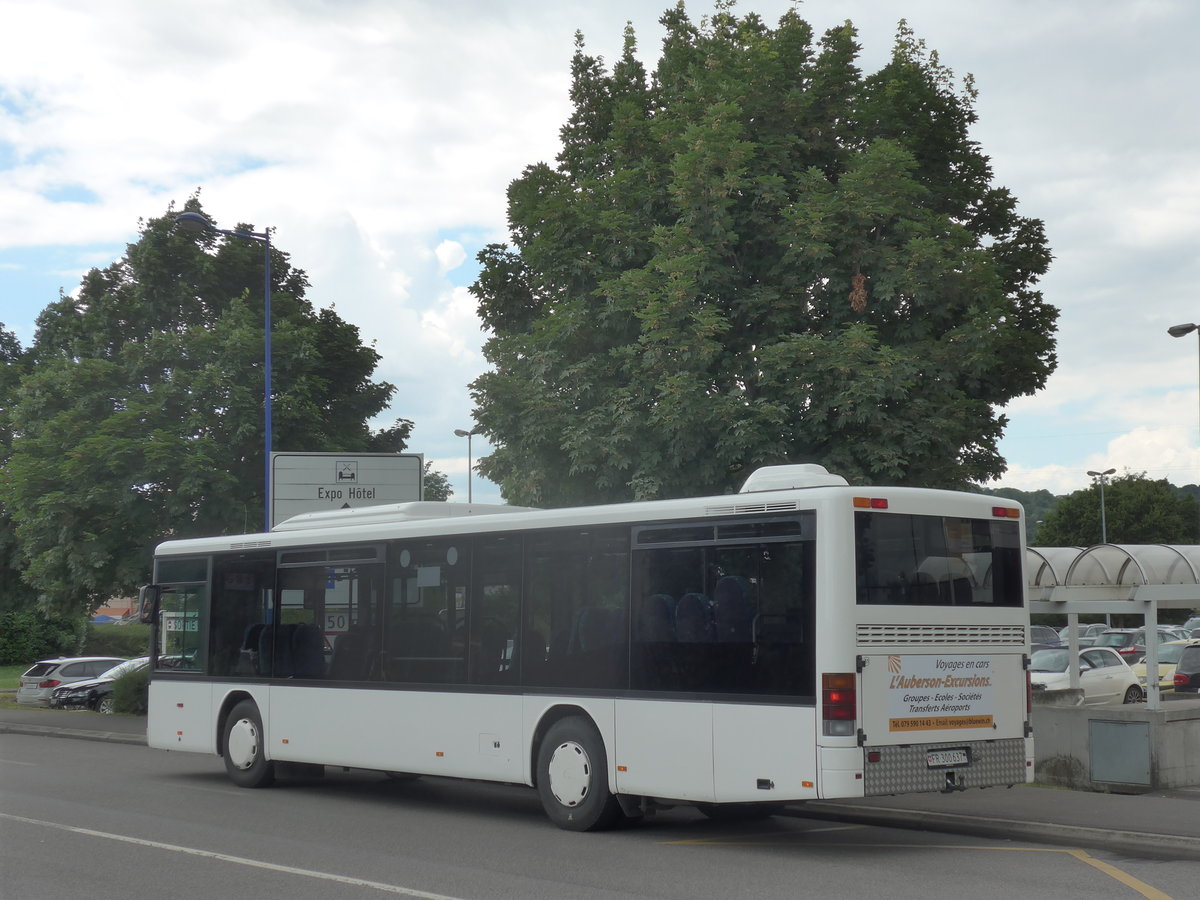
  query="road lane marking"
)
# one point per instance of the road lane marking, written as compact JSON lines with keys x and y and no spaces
{"x":766,"y":840}
{"x":237,"y":860}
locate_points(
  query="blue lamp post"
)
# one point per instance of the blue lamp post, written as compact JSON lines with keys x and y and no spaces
{"x":193,"y":221}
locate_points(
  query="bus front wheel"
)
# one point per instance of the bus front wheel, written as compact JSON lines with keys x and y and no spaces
{"x":573,"y":777}
{"x":245,"y":755}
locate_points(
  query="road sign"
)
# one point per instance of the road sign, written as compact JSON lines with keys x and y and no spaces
{"x":319,"y":482}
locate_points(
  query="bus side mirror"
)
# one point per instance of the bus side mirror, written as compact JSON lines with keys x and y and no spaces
{"x":148,"y":597}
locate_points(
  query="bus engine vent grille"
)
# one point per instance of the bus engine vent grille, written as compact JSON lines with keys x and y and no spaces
{"x":941,"y":634}
{"x":737,"y":508}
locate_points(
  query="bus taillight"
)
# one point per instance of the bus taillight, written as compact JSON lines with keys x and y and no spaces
{"x":839,"y":703}
{"x":1006,"y":512}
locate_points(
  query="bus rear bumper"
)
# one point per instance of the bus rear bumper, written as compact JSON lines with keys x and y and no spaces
{"x":956,"y":766}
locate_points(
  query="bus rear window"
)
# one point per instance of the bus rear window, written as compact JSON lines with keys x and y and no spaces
{"x":937,"y":560}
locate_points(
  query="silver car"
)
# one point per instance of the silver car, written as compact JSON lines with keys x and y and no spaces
{"x":39,"y":682}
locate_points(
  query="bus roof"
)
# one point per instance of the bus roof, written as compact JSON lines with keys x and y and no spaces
{"x":785,"y":489}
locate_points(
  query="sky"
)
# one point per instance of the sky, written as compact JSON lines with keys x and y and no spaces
{"x":377,"y":139}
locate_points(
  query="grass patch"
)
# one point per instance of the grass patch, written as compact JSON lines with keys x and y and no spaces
{"x":10,"y":676}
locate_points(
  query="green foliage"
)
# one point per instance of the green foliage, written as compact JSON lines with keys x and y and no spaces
{"x":117,"y":640}
{"x":131,"y":693}
{"x":435,"y":484}
{"x":1137,"y":510}
{"x":27,"y":635}
{"x":139,"y":417}
{"x":1037,"y":505}
{"x":14,"y":592}
{"x":757,"y":255}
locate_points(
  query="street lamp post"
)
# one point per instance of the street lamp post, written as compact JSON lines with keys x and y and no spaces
{"x":459,"y":432}
{"x":1101,"y":477}
{"x":1184,"y":330}
{"x":193,"y":221}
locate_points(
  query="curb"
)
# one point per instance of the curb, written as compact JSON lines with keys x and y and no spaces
{"x":1135,"y":843}
{"x":79,"y":734}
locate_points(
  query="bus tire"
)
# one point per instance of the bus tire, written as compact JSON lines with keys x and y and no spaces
{"x":243,"y":748}
{"x":573,"y":777}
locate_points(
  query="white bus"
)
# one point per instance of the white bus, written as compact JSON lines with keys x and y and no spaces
{"x":802,"y":639}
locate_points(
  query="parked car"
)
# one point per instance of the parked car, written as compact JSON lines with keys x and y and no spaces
{"x":1192,"y":626}
{"x":95,"y":693}
{"x":1121,"y":640}
{"x":1104,"y":676}
{"x":40,"y":680}
{"x":1187,"y":670}
{"x":1044,"y":635}
{"x":1087,"y":632}
{"x":1168,"y":656}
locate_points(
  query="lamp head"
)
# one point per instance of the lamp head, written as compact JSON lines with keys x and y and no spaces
{"x":193,"y":221}
{"x":1181,"y":330}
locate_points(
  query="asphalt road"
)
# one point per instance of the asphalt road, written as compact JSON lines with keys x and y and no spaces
{"x":103,"y":820}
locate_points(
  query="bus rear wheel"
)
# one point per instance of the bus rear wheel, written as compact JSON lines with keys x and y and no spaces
{"x":573,"y":777}
{"x":245,"y":755}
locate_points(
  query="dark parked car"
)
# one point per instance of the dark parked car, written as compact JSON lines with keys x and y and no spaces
{"x":95,"y":693}
{"x":1044,"y":636}
{"x":1187,"y":671}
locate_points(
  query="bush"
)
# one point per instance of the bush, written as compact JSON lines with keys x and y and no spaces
{"x":131,"y":693}
{"x":26,"y":635}
{"x":117,"y":640}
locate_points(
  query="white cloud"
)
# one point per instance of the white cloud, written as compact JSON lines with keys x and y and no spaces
{"x":450,"y":255}
{"x":374,"y":135}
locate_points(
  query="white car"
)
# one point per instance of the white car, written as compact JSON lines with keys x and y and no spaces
{"x":39,"y":681}
{"x":1103,"y":676}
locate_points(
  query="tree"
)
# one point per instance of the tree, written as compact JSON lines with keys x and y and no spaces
{"x":435,"y":484}
{"x":141,"y":416}
{"x":1036,"y":504}
{"x":758,"y":255}
{"x":14,"y":593}
{"x":1137,"y":510}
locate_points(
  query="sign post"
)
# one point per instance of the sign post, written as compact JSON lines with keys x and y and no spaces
{"x":319,"y":482}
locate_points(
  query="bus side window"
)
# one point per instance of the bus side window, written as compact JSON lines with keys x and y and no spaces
{"x":425,"y":639}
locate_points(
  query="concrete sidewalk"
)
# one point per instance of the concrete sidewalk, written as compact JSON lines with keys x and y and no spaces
{"x":1164,"y":825}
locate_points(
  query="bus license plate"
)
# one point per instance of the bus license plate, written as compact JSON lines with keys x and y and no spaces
{"x":945,"y":759}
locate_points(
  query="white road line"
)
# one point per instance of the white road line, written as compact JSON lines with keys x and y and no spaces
{"x":237,"y":860}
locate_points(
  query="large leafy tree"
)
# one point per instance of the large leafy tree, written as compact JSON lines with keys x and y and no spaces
{"x":14,"y":592}
{"x":758,"y":254}
{"x":141,"y":415}
{"x":1137,"y":510}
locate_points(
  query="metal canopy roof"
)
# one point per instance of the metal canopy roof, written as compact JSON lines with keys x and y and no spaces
{"x":1131,"y":579}
{"x":1165,"y":573}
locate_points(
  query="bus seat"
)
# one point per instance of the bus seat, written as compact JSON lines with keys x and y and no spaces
{"x":349,"y":656}
{"x":733,"y":610}
{"x":247,"y":663}
{"x":694,"y":619}
{"x":308,"y":652}
{"x":655,"y":622}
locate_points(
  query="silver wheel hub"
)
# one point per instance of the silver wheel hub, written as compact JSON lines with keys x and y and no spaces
{"x":243,"y":744}
{"x":570,"y":772}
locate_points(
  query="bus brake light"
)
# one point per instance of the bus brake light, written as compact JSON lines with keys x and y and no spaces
{"x":839,"y":703}
{"x":1006,"y":512}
